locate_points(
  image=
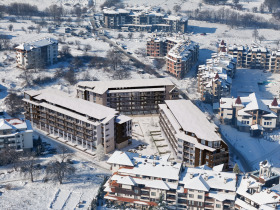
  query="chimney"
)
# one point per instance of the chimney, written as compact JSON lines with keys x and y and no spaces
{"x":140,"y":155}
{"x":268,"y":191}
{"x":259,"y":188}
{"x":191,"y":175}
{"x":154,"y":163}
{"x":206,"y":177}
{"x":274,"y":102}
{"x":225,"y":180}
{"x":248,"y":183}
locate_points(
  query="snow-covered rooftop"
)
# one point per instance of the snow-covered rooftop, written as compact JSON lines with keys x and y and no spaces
{"x":101,"y":87}
{"x":191,"y":119}
{"x":60,"y":100}
{"x":36,"y":44}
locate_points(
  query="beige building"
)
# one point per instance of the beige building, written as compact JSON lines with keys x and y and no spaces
{"x":128,"y":96}
{"x":37,"y":54}
{"x":254,"y":57}
{"x":79,"y":122}
{"x":181,"y":55}
{"x":140,"y":182}
{"x":193,"y":138}
{"x":251,"y":114}
{"x":215,"y":77}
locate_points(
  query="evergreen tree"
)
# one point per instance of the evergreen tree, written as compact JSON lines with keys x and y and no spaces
{"x":236,"y":169}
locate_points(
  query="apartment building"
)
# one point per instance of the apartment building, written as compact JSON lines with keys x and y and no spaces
{"x":215,"y":77}
{"x":37,"y":54}
{"x":250,"y":114}
{"x":129,"y":96}
{"x":193,"y":138}
{"x":181,"y":58}
{"x":15,"y":133}
{"x":143,"y":19}
{"x":181,"y":55}
{"x":259,"y":189}
{"x":254,"y":57}
{"x":77,"y":121}
{"x":142,"y":181}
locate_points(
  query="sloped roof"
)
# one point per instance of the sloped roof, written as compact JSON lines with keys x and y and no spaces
{"x":4,"y":125}
{"x":127,"y":180}
{"x":122,"y":158}
{"x":256,"y":104}
{"x":197,"y":183}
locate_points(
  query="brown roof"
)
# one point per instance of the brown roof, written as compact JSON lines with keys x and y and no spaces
{"x":238,"y":100}
{"x":274,"y":102}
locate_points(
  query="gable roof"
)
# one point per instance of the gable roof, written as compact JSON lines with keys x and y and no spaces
{"x":256,"y":104}
{"x":122,"y":158}
{"x":197,"y":183}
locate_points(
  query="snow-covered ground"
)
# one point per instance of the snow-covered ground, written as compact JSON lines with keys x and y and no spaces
{"x":77,"y":190}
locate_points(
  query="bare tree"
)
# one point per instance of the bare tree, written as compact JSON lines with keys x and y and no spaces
{"x":141,"y":35}
{"x":28,"y":163}
{"x":31,"y":28}
{"x":10,"y":27}
{"x":61,"y":167}
{"x":38,"y":29}
{"x":177,"y":8}
{"x":65,"y":51}
{"x":87,"y":47}
{"x":13,"y":103}
{"x":100,"y":154}
{"x":70,"y":76}
{"x":255,"y":34}
{"x":130,"y":35}
{"x":115,"y":58}
{"x":261,"y":38}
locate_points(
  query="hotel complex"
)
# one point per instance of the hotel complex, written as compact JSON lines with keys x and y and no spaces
{"x":143,"y":19}
{"x":77,"y":121}
{"x":254,"y":57}
{"x":194,"y":139}
{"x":129,"y":96}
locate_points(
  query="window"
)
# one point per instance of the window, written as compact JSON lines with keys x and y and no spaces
{"x":191,"y":195}
{"x":136,"y":191}
{"x":199,"y":196}
{"x":218,"y":205}
{"x":153,"y":194}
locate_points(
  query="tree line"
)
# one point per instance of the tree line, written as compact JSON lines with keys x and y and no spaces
{"x":233,"y":18}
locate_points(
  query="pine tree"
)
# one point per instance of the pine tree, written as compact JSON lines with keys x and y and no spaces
{"x":236,"y":169}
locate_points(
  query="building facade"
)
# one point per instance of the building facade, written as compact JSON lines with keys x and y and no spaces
{"x":37,"y":54}
{"x":254,"y":57}
{"x":181,"y":55}
{"x":251,"y":114}
{"x":143,"y":181}
{"x":15,"y":133}
{"x":193,"y":138}
{"x":259,"y":189}
{"x":77,"y":121}
{"x":215,"y":77}
{"x":143,"y":19}
{"x":128,"y":96}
